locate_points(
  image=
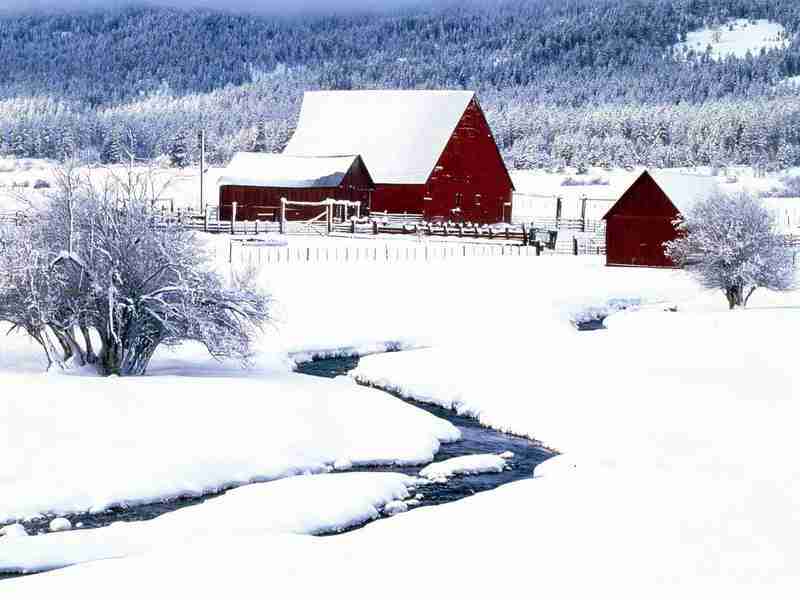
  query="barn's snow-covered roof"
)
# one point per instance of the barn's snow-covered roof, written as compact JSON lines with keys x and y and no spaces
{"x":684,"y":189}
{"x":286,"y":171}
{"x":400,"y":134}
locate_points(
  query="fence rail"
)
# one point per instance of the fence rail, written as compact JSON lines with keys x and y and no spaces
{"x":250,"y":254}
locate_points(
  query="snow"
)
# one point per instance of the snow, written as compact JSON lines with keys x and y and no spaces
{"x":683,"y":189}
{"x":400,"y":134}
{"x":464,"y":465}
{"x":737,"y":37}
{"x":311,"y":504}
{"x":13,"y":530}
{"x":284,"y":171}
{"x":60,"y":524}
{"x":84,"y":444}
{"x":678,"y":470}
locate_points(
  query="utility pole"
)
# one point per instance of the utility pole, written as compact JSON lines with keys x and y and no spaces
{"x":202,"y":170}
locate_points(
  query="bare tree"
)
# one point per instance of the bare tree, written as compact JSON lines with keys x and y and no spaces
{"x":97,"y":264}
{"x":730,"y":242}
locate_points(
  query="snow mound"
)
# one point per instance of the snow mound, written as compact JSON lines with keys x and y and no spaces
{"x":60,"y":524}
{"x":14,"y":530}
{"x":473,"y":464}
{"x":310,"y":504}
{"x":242,"y":429}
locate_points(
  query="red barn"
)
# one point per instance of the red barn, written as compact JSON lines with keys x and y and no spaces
{"x":256,"y":182}
{"x":429,"y":152}
{"x":639,"y":223}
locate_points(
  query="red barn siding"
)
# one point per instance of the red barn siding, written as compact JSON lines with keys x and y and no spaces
{"x":638,"y":225}
{"x":264,"y":203}
{"x":470,"y":176}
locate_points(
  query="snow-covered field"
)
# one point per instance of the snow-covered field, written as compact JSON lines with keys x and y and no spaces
{"x":677,"y":433}
{"x":737,"y":38}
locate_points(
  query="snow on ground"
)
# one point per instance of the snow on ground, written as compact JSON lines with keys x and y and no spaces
{"x":737,"y":38}
{"x":312,"y":504}
{"x":464,"y":465}
{"x":359,"y":305}
{"x":77,"y":444}
{"x":677,"y":430}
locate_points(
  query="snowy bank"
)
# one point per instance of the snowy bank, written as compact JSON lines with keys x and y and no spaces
{"x":311,"y":504}
{"x":78,"y":444}
{"x":464,"y":465}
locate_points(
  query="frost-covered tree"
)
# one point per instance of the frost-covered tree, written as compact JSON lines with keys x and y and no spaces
{"x":179,"y":150}
{"x":99,"y":280}
{"x":729,"y":242}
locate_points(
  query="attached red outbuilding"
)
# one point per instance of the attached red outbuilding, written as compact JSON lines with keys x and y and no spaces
{"x":639,"y":223}
{"x":429,"y":152}
{"x":256,"y":182}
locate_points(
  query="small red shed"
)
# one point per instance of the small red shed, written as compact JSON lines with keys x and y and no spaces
{"x":639,"y":223}
{"x":430,"y":152}
{"x":256,"y":182}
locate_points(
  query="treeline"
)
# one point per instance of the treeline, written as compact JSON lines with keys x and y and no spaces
{"x":573,"y":52}
{"x":564,"y":82}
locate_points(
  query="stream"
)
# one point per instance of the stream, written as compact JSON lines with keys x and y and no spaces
{"x":475,"y":439}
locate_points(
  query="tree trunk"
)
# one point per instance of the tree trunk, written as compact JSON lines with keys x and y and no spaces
{"x":91,"y":357}
{"x":735,"y":296}
{"x":133,"y":359}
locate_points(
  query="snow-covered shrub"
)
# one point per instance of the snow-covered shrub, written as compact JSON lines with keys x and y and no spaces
{"x":97,"y":264}
{"x":730,"y":243}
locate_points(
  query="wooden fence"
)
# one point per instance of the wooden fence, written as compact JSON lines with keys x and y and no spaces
{"x":254,"y":254}
{"x":14,"y":218}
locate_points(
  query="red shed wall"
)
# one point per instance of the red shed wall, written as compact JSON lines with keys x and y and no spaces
{"x":263,"y":203}
{"x":638,"y":225}
{"x":470,"y":176}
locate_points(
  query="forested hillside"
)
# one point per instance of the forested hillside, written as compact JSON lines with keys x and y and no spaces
{"x":563,"y":81}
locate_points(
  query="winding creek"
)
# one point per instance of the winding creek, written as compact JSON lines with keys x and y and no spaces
{"x":475,"y":439}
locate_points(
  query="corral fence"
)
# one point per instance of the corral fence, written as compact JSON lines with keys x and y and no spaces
{"x":542,"y":235}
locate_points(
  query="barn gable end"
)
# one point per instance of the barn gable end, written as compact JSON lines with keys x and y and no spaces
{"x":470,"y":181}
{"x":639,"y":223}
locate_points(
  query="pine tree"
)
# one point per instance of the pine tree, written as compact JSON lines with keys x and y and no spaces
{"x":179,"y":150}
{"x":260,"y":143}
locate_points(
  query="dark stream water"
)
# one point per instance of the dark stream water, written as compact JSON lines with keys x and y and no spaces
{"x":475,"y":439}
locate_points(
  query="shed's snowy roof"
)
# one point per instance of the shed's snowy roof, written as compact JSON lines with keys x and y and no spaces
{"x":684,"y":189}
{"x":400,"y":134}
{"x":286,"y":171}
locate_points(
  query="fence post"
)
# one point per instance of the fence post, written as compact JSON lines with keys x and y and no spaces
{"x":574,"y":246}
{"x":205,"y":221}
{"x":352,"y":226}
{"x":282,"y":227}
{"x":538,"y":248}
{"x":233,"y":218}
{"x":374,"y":228}
{"x":230,"y":251}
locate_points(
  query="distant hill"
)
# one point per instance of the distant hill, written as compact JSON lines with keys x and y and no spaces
{"x":84,"y":79}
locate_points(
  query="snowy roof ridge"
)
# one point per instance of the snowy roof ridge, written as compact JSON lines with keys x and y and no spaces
{"x":399,"y":134}
{"x":286,"y":171}
{"x":684,"y":189}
